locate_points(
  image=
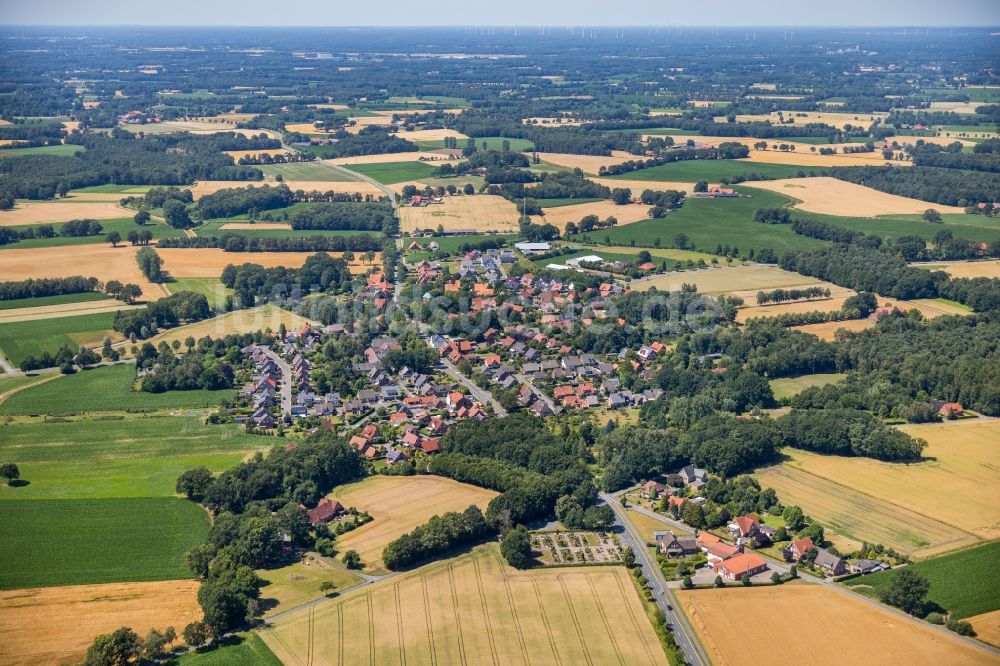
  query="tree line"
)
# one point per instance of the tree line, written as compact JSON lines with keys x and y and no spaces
{"x":167,"y":312}
{"x":237,"y":242}
{"x":37,"y":287}
{"x":952,"y":187}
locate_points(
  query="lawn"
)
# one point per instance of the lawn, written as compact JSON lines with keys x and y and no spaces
{"x":389,"y":173}
{"x":58,"y":299}
{"x":963,"y":582}
{"x":296,"y":584}
{"x":476,"y":609}
{"x":687,"y":171}
{"x":103,"y":389}
{"x":101,"y":458}
{"x":121,"y":225}
{"x":62,"y":149}
{"x":21,"y":339}
{"x":67,"y":542}
{"x":789,"y":386}
{"x":243,"y":650}
{"x":305,"y":171}
{"x":709,"y":223}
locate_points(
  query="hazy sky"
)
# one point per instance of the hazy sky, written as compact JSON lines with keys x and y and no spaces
{"x":504,"y":12}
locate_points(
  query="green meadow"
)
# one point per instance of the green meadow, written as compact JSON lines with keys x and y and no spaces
{"x":122,"y":225}
{"x":315,"y":170}
{"x":72,"y":542}
{"x":389,"y":173}
{"x":245,"y":650}
{"x":104,"y":389}
{"x":21,"y":339}
{"x":62,"y":149}
{"x":210,"y":288}
{"x":687,"y":171}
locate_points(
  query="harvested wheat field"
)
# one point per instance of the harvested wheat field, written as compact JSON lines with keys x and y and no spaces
{"x":480,"y":213}
{"x":255,"y":225}
{"x":63,"y":310}
{"x":833,"y":304}
{"x":209,"y":262}
{"x":834,"y":119}
{"x":817,"y":161}
{"x":56,"y":624}
{"x":34,"y":212}
{"x":475,"y":609}
{"x":956,"y":107}
{"x":590,"y":164}
{"x":98,"y":260}
{"x":237,"y":155}
{"x":235,"y":322}
{"x":933,"y":307}
{"x":562,"y":215}
{"x":750,"y":278}
{"x":203,"y":187}
{"x":637,"y":186}
{"x":398,"y":504}
{"x":431,"y":135}
{"x":385,"y":158}
{"x":987,"y":627}
{"x":889,"y":503}
{"x":838,"y":197}
{"x":969,"y":269}
{"x":194,"y":126}
{"x":827,"y":330}
{"x":813,"y":624}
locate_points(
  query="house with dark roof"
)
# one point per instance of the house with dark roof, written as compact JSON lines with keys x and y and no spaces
{"x":830,"y":563}
{"x":674,"y":546}
{"x":325,"y":511}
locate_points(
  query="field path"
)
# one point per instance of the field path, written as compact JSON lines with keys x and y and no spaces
{"x":7,"y":394}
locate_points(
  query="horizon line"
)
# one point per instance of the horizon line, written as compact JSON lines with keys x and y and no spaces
{"x":498,"y":25}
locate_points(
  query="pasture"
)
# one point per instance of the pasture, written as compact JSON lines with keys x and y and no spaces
{"x":92,"y":458}
{"x":786,"y":387}
{"x":98,"y":260}
{"x":247,"y":320}
{"x":245,"y":650}
{"x":475,"y":609}
{"x":38,"y":212}
{"x":831,"y":196}
{"x":709,"y":223}
{"x":690,"y":171}
{"x":480,"y":212}
{"x":58,"y":299}
{"x":814,"y":624}
{"x":73,"y":542}
{"x":21,"y":339}
{"x":970,"y":227}
{"x":961,"y":582}
{"x":866,"y":499}
{"x":752,"y":277}
{"x":389,"y":173}
{"x":398,"y":504}
{"x":210,"y":288}
{"x":61,"y":149}
{"x":298,"y":583}
{"x":56,"y":625}
{"x":103,"y":389}
{"x":316,"y":170}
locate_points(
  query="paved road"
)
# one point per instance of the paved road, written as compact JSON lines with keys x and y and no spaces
{"x":354,"y":175}
{"x":546,"y":399}
{"x":480,"y":394}
{"x":286,"y":381}
{"x":682,"y":631}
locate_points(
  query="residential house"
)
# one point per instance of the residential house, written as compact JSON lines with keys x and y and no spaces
{"x":673,"y":546}
{"x":797,"y":549}
{"x":652,"y":490}
{"x":743,"y":564}
{"x":325,"y":511}
{"x":830,"y":563}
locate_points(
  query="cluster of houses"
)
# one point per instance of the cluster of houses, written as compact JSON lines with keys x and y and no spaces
{"x":262,"y":390}
{"x":136,"y":117}
{"x":729,"y":561}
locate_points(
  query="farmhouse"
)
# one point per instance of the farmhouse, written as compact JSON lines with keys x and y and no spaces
{"x":325,"y":511}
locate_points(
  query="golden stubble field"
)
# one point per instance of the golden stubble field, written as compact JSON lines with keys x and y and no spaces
{"x":812,"y":624}
{"x":900,"y":505}
{"x":744,"y":280}
{"x":398,"y":504}
{"x":969,"y":269}
{"x":831,"y":196}
{"x":475,"y":609}
{"x":481,"y":213}
{"x":36,"y":212}
{"x":827,"y":330}
{"x":55,"y":625}
{"x":386,"y":158}
{"x":590,"y":164}
{"x":235,"y":322}
{"x":562,"y":215}
{"x":832,"y":118}
{"x":63,"y":310}
{"x":101,"y":261}
{"x":239,"y":154}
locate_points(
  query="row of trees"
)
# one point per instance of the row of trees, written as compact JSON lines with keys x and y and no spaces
{"x":150,"y":264}
{"x":727,"y":150}
{"x":786,"y":295}
{"x":167,"y":312}
{"x":952,"y":187}
{"x":246,"y":242}
{"x":34,"y":288}
{"x":435,"y":537}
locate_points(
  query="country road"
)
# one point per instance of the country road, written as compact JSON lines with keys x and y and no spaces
{"x":681,"y":629}
{"x":286,"y":381}
{"x":480,"y":394}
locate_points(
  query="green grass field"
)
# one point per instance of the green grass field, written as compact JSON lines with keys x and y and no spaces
{"x":58,"y":299}
{"x":786,"y":387}
{"x":214,"y":228}
{"x":305,"y":171}
{"x":9,"y":382}
{"x":101,"y":458}
{"x":63,"y":149}
{"x":122,"y":225}
{"x":970,"y":227}
{"x":71,"y":542}
{"x":715,"y":170}
{"x":711,"y":222}
{"x":557,"y":203}
{"x":210,"y":288}
{"x":451,"y":244}
{"x":492,"y":142}
{"x":115,"y":189}
{"x":964,"y":582}
{"x":21,"y":339}
{"x":245,"y":650}
{"x":104,"y":389}
{"x":389,"y":173}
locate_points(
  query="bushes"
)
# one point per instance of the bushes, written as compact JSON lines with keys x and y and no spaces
{"x":150,"y":264}
{"x":438,"y":535}
{"x":515,"y":546}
